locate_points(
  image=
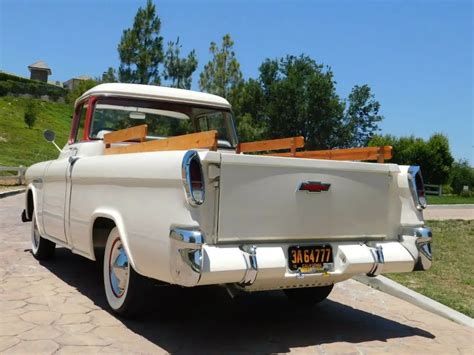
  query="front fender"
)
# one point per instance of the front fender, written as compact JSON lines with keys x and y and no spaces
{"x":34,"y":204}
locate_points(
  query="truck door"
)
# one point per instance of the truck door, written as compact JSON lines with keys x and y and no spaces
{"x":56,"y":184}
{"x":55,"y":195}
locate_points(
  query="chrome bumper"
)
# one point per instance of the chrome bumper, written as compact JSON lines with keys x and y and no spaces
{"x":421,"y":238}
{"x":186,"y":256}
{"x":265,"y":266}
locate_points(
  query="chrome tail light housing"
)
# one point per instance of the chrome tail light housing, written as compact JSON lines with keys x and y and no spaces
{"x":417,"y":187}
{"x":193,"y":178}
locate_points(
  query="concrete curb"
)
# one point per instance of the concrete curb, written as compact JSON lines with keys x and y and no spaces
{"x":454,"y":206}
{"x":12,"y":192}
{"x":393,"y":288}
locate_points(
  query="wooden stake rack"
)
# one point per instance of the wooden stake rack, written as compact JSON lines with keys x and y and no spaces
{"x":208,"y":140}
{"x":204,"y":140}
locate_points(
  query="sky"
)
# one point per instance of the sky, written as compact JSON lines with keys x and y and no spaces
{"x":417,"y":56}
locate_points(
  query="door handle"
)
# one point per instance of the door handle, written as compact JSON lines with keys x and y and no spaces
{"x":73,"y":159}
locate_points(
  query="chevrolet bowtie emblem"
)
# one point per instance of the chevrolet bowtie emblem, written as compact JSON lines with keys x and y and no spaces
{"x":313,"y":186}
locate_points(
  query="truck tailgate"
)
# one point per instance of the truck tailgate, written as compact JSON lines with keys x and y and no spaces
{"x":260,"y":201}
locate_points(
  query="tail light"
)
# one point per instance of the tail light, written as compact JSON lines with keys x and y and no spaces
{"x":417,"y":187}
{"x":193,"y":178}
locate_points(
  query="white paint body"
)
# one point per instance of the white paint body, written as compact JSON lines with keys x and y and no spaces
{"x":250,"y":200}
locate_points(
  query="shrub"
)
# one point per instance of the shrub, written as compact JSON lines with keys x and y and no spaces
{"x":447,"y":189}
{"x":462,"y":175}
{"x":30,"y":114}
{"x":433,"y":155}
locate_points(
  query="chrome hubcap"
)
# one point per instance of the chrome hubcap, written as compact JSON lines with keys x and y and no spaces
{"x":119,"y":269}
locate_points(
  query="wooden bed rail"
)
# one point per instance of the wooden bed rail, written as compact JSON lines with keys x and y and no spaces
{"x":208,"y":140}
{"x":201,"y":140}
{"x":292,"y":144}
{"x":380,"y":154}
{"x":125,"y":135}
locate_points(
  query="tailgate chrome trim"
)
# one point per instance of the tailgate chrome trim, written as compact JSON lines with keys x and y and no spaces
{"x":307,"y":239}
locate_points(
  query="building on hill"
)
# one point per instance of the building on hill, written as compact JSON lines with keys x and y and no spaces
{"x":72,"y":83}
{"x":55,"y":82}
{"x":39,"y":71}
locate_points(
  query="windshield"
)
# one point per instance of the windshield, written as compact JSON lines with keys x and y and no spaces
{"x":164,"y":119}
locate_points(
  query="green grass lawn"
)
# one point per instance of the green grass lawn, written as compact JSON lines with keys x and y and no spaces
{"x":449,"y":200}
{"x":20,"y":145}
{"x":451,"y":279}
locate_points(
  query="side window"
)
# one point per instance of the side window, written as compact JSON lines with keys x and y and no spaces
{"x":82,"y":110}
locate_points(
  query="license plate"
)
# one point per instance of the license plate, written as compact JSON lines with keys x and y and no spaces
{"x":308,"y":259}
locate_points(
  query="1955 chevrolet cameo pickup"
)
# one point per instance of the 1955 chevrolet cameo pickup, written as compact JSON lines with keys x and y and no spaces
{"x":154,"y":182}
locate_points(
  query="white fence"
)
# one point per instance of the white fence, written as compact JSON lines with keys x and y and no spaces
{"x":18,"y":179}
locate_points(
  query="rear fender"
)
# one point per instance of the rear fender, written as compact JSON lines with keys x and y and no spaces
{"x":116,"y":217}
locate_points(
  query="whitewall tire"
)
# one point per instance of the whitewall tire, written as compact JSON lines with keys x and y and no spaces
{"x":42,"y":249}
{"x":124,"y":288}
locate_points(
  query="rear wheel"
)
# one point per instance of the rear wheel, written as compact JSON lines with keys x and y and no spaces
{"x":125,"y":290}
{"x":42,"y":249}
{"x":309,"y":295}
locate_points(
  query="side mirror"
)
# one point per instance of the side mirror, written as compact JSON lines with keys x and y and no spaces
{"x":49,"y":135}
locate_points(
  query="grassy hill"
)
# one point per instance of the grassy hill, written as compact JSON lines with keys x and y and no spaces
{"x":20,"y":145}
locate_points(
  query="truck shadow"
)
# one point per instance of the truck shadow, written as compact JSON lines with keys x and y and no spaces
{"x":206,"y":318}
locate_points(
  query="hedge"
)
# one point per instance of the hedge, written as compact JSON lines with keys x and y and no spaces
{"x":10,"y":84}
{"x":5,"y":77}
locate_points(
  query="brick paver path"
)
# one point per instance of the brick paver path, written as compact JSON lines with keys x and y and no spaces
{"x":58,"y":307}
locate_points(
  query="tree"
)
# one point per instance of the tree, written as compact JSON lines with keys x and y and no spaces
{"x":81,"y":88}
{"x":361,"y":117}
{"x":30,"y":114}
{"x":295,"y":96}
{"x":222,"y":73}
{"x":300,"y":99}
{"x":109,"y":76}
{"x":248,"y":105}
{"x":438,"y":159}
{"x":179,"y":70}
{"x":141,"y":48}
{"x":433,"y":156}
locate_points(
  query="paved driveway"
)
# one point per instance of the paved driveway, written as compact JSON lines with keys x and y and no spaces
{"x":58,"y":306}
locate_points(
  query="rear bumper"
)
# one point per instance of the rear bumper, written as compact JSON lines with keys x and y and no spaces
{"x":265,"y":266}
{"x":418,"y":242}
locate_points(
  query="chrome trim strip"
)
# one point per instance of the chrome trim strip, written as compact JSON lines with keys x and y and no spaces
{"x":189,"y":156}
{"x":413,"y":171}
{"x":303,"y":240}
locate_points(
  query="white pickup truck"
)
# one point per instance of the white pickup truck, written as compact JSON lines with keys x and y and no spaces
{"x":154,"y":180}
